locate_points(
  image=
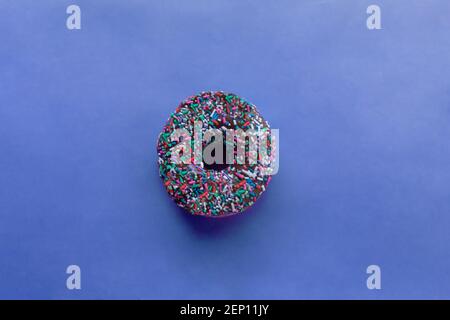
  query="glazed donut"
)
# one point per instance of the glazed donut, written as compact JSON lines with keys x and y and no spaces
{"x":220,"y":188}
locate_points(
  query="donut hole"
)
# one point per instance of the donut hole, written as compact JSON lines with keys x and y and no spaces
{"x":217,"y":166}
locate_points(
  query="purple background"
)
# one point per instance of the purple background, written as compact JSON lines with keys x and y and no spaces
{"x":364,"y":119}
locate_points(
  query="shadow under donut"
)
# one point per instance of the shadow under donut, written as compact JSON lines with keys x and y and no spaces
{"x":212,"y":227}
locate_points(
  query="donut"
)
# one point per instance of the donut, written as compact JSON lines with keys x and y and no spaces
{"x":221,"y":188}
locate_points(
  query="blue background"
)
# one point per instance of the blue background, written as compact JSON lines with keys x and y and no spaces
{"x":364,"y":119}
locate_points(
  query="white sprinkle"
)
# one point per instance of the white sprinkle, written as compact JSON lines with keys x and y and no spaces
{"x":250,"y":174}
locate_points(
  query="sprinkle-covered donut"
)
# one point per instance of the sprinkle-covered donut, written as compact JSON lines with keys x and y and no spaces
{"x":223,"y":187}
